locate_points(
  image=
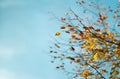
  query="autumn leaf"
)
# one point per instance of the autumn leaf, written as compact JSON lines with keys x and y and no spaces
{"x":73,"y":36}
{"x":71,"y":29}
{"x":97,"y":30}
{"x":63,"y":27}
{"x":57,"y":45}
{"x":104,"y":71}
{"x":77,"y":60}
{"x":72,"y":48}
{"x":67,"y":32}
{"x":91,"y":27}
{"x":96,"y":57}
{"x":102,"y":55}
{"x":62,"y":18}
{"x":115,"y":15}
{"x":116,"y":72}
{"x":118,"y":24}
{"x":71,"y":58}
{"x":86,"y":28}
{"x":57,"y":34}
{"x":83,"y":2}
{"x":103,"y":16}
{"x":86,"y":73}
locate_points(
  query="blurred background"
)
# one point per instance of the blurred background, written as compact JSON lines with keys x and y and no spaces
{"x":26,"y":26}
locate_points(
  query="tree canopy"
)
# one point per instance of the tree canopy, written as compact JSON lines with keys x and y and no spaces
{"x":88,"y":45}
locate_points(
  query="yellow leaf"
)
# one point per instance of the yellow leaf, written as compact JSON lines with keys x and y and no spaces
{"x":57,"y":34}
{"x":86,"y":73}
{"x":116,"y":72}
{"x":96,"y":57}
{"x":102,"y":55}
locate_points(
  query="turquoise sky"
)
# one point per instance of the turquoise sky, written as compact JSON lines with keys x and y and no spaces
{"x":25,"y":30}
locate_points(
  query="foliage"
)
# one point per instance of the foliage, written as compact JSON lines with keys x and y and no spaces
{"x":91,"y":42}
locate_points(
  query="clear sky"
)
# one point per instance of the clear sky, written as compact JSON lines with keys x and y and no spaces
{"x":25,"y":30}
